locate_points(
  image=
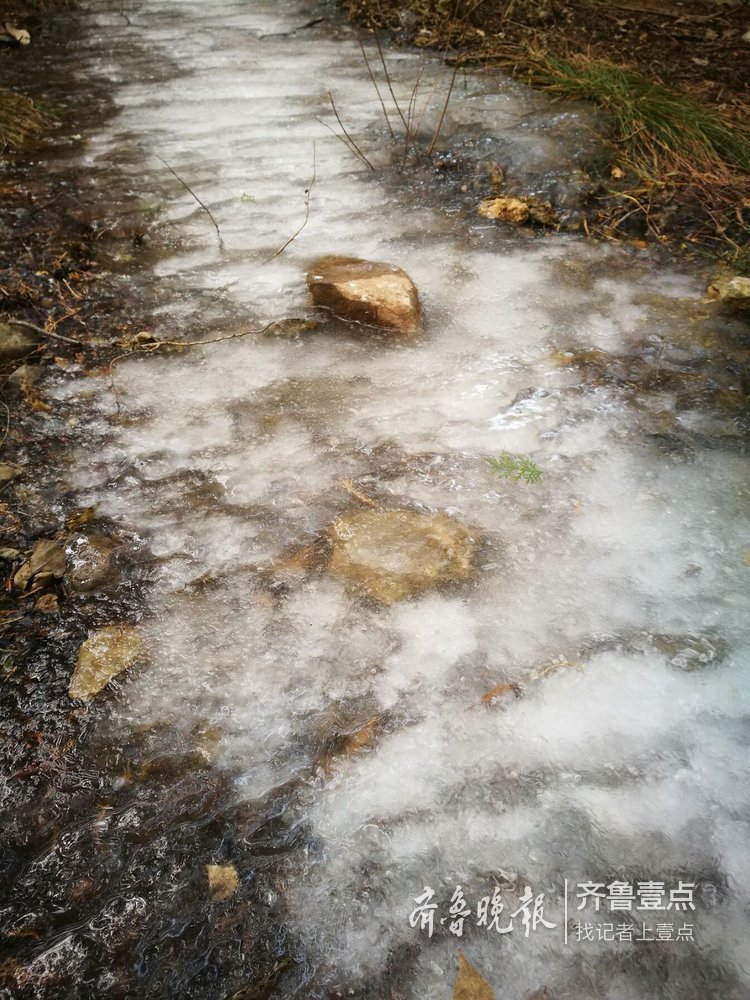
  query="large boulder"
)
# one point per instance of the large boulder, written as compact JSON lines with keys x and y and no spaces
{"x":367,"y":292}
{"x":392,"y":555}
{"x":104,"y":655}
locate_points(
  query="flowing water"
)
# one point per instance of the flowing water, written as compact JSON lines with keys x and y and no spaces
{"x":607,"y":602}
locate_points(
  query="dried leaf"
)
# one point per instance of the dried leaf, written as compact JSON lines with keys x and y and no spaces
{"x":498,"y":691}
{"x":48,"y":558}
{"x":80,"y":517}
{"x":47,"y":604}
{"x":470,"y":984}
{"x":363,"y":738}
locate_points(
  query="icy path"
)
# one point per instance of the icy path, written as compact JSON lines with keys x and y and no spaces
{"x":624,"y":564}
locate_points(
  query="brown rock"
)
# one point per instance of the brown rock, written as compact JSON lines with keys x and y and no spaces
{"x":397,"y":554}
{"x":104,"y":655}
{"x":222,"y":881}
{"x":367,"y":292}
{"x":505,"y":209}
{"x":733,"y":291}
{"x":91,"y":560}
{"x":518,"y":210}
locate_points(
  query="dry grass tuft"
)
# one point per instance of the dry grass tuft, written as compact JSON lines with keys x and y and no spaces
{"x":659,"y":128}
{"x":20,"y":119}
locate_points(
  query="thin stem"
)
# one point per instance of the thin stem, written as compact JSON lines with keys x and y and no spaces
{"x":445,"y":109}
{"x":343,"y":129}
{"x":308,"y":189}
{"x":190,"y":191}
{"x":43,"y":332}
{"x":375,"y":85}
{"x":388,"y":80}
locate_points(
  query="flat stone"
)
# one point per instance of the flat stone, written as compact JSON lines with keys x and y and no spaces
{"x":398,"y":554}
{"x":365,"y":291}
{"x":104,"y":655}
{"x":16,"y":342}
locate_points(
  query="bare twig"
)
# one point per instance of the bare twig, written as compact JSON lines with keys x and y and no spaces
{"x":410,"y":135}
{"x":182,"y":345}
{"x":339,"y":137}
{"x":441,"y":119}
{"x":375,"y":85}
{"x":354,"y":145}
{"x":388,"y":79}
{"x":190,"y":191}
{"x":42,"y":331}
{"x":308,"y":189}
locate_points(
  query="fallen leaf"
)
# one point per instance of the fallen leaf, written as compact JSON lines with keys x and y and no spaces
{"x":105,"y":654}
{"x":363,"y":738}
{"x":616,"y":173}
{"x":47,"y":604}
{"x":7,"y":472}
{"x":470,"y":984}
{"x":80,"y":517}
{"x":48,"y":558}
{"x":498,"y":692}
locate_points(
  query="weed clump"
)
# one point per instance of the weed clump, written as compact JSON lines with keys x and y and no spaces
{"x":515,"y":467}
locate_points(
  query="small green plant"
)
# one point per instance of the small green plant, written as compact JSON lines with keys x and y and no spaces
{"x":245,"y":198}
{"x":515,"y":467}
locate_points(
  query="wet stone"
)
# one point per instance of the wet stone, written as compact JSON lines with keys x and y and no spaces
{"x":16,"y":342}
{"x":691,"y":652}
{"x":375,"y":294}
{"x":104,"y":655}
{"x":91,"y":562}
{"x":732,"y":291}
{"x":395,"y":555}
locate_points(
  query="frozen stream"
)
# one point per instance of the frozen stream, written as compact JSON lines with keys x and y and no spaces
{"x":612,"y":593}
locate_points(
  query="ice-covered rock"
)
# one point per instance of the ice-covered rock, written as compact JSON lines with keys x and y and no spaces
{"x":391,"y":555}
{"x":104,"y":655}
{"x":368,"y":292}
{"x":91,"y":562}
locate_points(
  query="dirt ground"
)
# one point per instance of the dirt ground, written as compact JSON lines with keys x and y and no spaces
{"x":696,"y":47}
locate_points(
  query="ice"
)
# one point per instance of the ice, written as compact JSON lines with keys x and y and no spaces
{"x":606,"y":759}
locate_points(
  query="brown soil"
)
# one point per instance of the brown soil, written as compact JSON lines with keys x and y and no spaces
{"x":696,"y":47}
